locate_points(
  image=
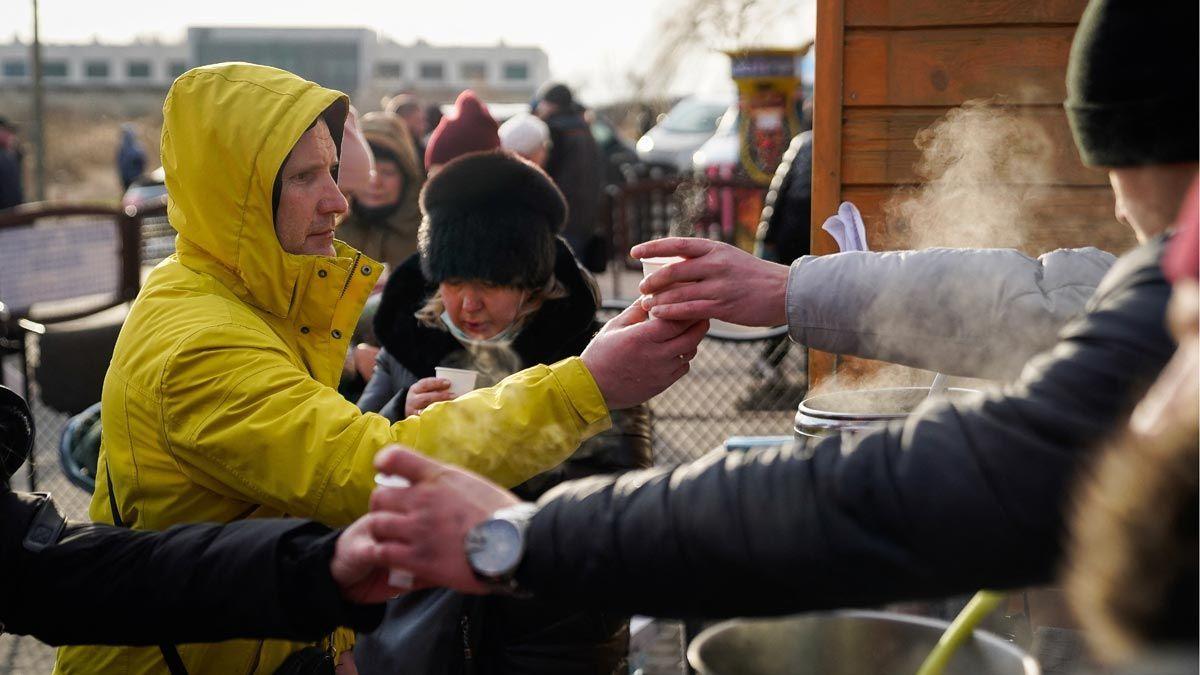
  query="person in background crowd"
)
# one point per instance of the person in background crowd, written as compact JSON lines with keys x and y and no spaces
{"x":785,"y":227}
{"x":468,"y":128}
{"x":280,"y":578}
{"x":356,"y":170}
{"x":959,"y":496}
{"x":11,"y":191}
{"x":783,"y":236}
{"x":433,"y":117}
{"x":1132,"y":572}
{"x":574,"y":164}
{"x":384,"y":217}
{"x":527,"y":136}
{"x":131,"y":157}
{"x":219,"y":402}
{"x":493,"y":290}
{"x":408,"y":108}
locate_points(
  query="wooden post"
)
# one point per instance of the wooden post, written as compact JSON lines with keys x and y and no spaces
{"x":827,"y":151}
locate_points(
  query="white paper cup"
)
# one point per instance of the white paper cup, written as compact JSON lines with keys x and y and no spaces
{"x":397,"y":577}
{"x":461,"y":381}
{"x":724,"y":327}
{"x":652,"y":265}
{"x":388,"y":480}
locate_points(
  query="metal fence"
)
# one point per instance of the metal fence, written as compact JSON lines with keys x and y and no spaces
{"x":738,"y":385}
{"x":65,"y":273}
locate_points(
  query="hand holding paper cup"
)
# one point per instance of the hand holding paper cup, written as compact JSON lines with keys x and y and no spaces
{"x":461,"y":381}
{"x":652,"y":265}
{"x":715,"y":281}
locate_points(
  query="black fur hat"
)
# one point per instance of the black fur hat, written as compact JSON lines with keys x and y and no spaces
{"x":490,"y":216}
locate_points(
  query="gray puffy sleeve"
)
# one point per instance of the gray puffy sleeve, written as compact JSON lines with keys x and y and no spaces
{"x":967,"y":312}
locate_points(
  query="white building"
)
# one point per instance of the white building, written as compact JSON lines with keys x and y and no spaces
{"x":139,"y":65}
{"x":354,"y":60}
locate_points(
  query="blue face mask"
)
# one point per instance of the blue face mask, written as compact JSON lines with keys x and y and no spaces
{"x":507,"y":335}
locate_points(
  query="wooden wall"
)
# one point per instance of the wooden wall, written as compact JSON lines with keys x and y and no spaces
{"x":887,"y":69}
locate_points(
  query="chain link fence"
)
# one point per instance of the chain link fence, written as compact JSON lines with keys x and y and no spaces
{"x":738,"y":385}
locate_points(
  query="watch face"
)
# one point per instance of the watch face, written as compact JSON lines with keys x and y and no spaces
{"x":494,"y":548}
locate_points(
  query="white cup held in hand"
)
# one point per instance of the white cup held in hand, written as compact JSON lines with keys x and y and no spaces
{"x":398,"y":577}
{"x":461,"y":381}
{"x":652,"y":265}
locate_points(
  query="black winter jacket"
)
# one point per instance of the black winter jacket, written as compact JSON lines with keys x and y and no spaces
{"x":502,"y":635}
{"x":786,"y":226}
{"x":101,"y":584}
{"x":955,"y":498}
{"x":575,"y":166}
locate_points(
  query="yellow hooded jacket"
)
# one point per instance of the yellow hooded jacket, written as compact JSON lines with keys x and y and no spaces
{"x":220,"y":400}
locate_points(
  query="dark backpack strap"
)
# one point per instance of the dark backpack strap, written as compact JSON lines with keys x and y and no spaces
{"x":169,"y":653}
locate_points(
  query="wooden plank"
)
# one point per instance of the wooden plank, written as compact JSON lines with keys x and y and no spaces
{"x":827,"y":120}
{"x":1056,"y":217}
{"x":878,"y":145}
{"x":947,"y":67}
{"x":917,"y":13}
{"x":827,"y":150}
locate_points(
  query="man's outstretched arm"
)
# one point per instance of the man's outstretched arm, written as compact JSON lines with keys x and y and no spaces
{"x":274,"y":578}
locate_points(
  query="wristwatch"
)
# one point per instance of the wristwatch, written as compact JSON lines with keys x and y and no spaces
{"x":496,"y":546}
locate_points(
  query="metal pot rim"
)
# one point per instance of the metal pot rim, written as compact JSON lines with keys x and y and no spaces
{"x":816,"y":414}
{"x":693,"y":652}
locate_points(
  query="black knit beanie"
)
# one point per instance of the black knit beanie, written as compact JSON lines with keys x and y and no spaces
{"x":490,"y":216}
{"x":1132,"y":83}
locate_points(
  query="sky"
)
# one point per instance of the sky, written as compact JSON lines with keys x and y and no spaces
{"x":590,"y":45}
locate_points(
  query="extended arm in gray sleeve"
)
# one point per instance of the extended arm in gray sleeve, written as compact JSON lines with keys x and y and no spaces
{"x":968,"y":312}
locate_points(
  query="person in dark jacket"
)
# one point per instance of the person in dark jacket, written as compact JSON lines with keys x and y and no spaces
{"x":786,"y":225}
{"x":131,"y":158}
{"x":488,"y":243}
{"x":957,"y":497}
{"x":574,"y":164}
{"x":279,"y":578}
{"x":11,"y":191}
{"x":1132,"y":576}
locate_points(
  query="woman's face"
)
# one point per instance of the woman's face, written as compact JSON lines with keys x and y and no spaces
{"x":481,"y":309}
{"x":384,"y":187}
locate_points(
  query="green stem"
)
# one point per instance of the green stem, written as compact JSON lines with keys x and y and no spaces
{"x":963,"y":626}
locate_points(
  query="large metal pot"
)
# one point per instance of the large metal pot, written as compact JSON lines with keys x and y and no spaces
{"x":859,"y":409}
{"x":846,"y":643}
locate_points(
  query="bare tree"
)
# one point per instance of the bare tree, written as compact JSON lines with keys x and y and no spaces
{"x":692,"y":26}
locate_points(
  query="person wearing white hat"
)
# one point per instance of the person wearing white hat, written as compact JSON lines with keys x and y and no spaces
{"x":527,"y":136}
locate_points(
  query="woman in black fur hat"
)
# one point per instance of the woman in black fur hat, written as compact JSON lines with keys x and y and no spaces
{"x":493,"y":289}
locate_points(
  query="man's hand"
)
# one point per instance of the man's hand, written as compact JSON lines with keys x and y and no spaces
{"x":363,"y":557}
{"x":716,"y":281}
{"x":364,"y":359}
{"x":633,"y":359}
{"x":434,"y":516}
{"x":424,"y":393}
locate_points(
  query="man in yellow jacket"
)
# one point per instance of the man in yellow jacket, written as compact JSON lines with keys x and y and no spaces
{"x":219,"y":403}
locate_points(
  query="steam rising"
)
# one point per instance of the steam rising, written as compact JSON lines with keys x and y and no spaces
{"x":980,"y":166}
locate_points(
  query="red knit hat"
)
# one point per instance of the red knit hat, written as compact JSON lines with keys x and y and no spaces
{"x":468,"y":128}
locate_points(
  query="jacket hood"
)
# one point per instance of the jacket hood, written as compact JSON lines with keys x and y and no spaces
{"x":561,"y":328}
{"x":388,"y":131}
{"x":227,"y":129}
